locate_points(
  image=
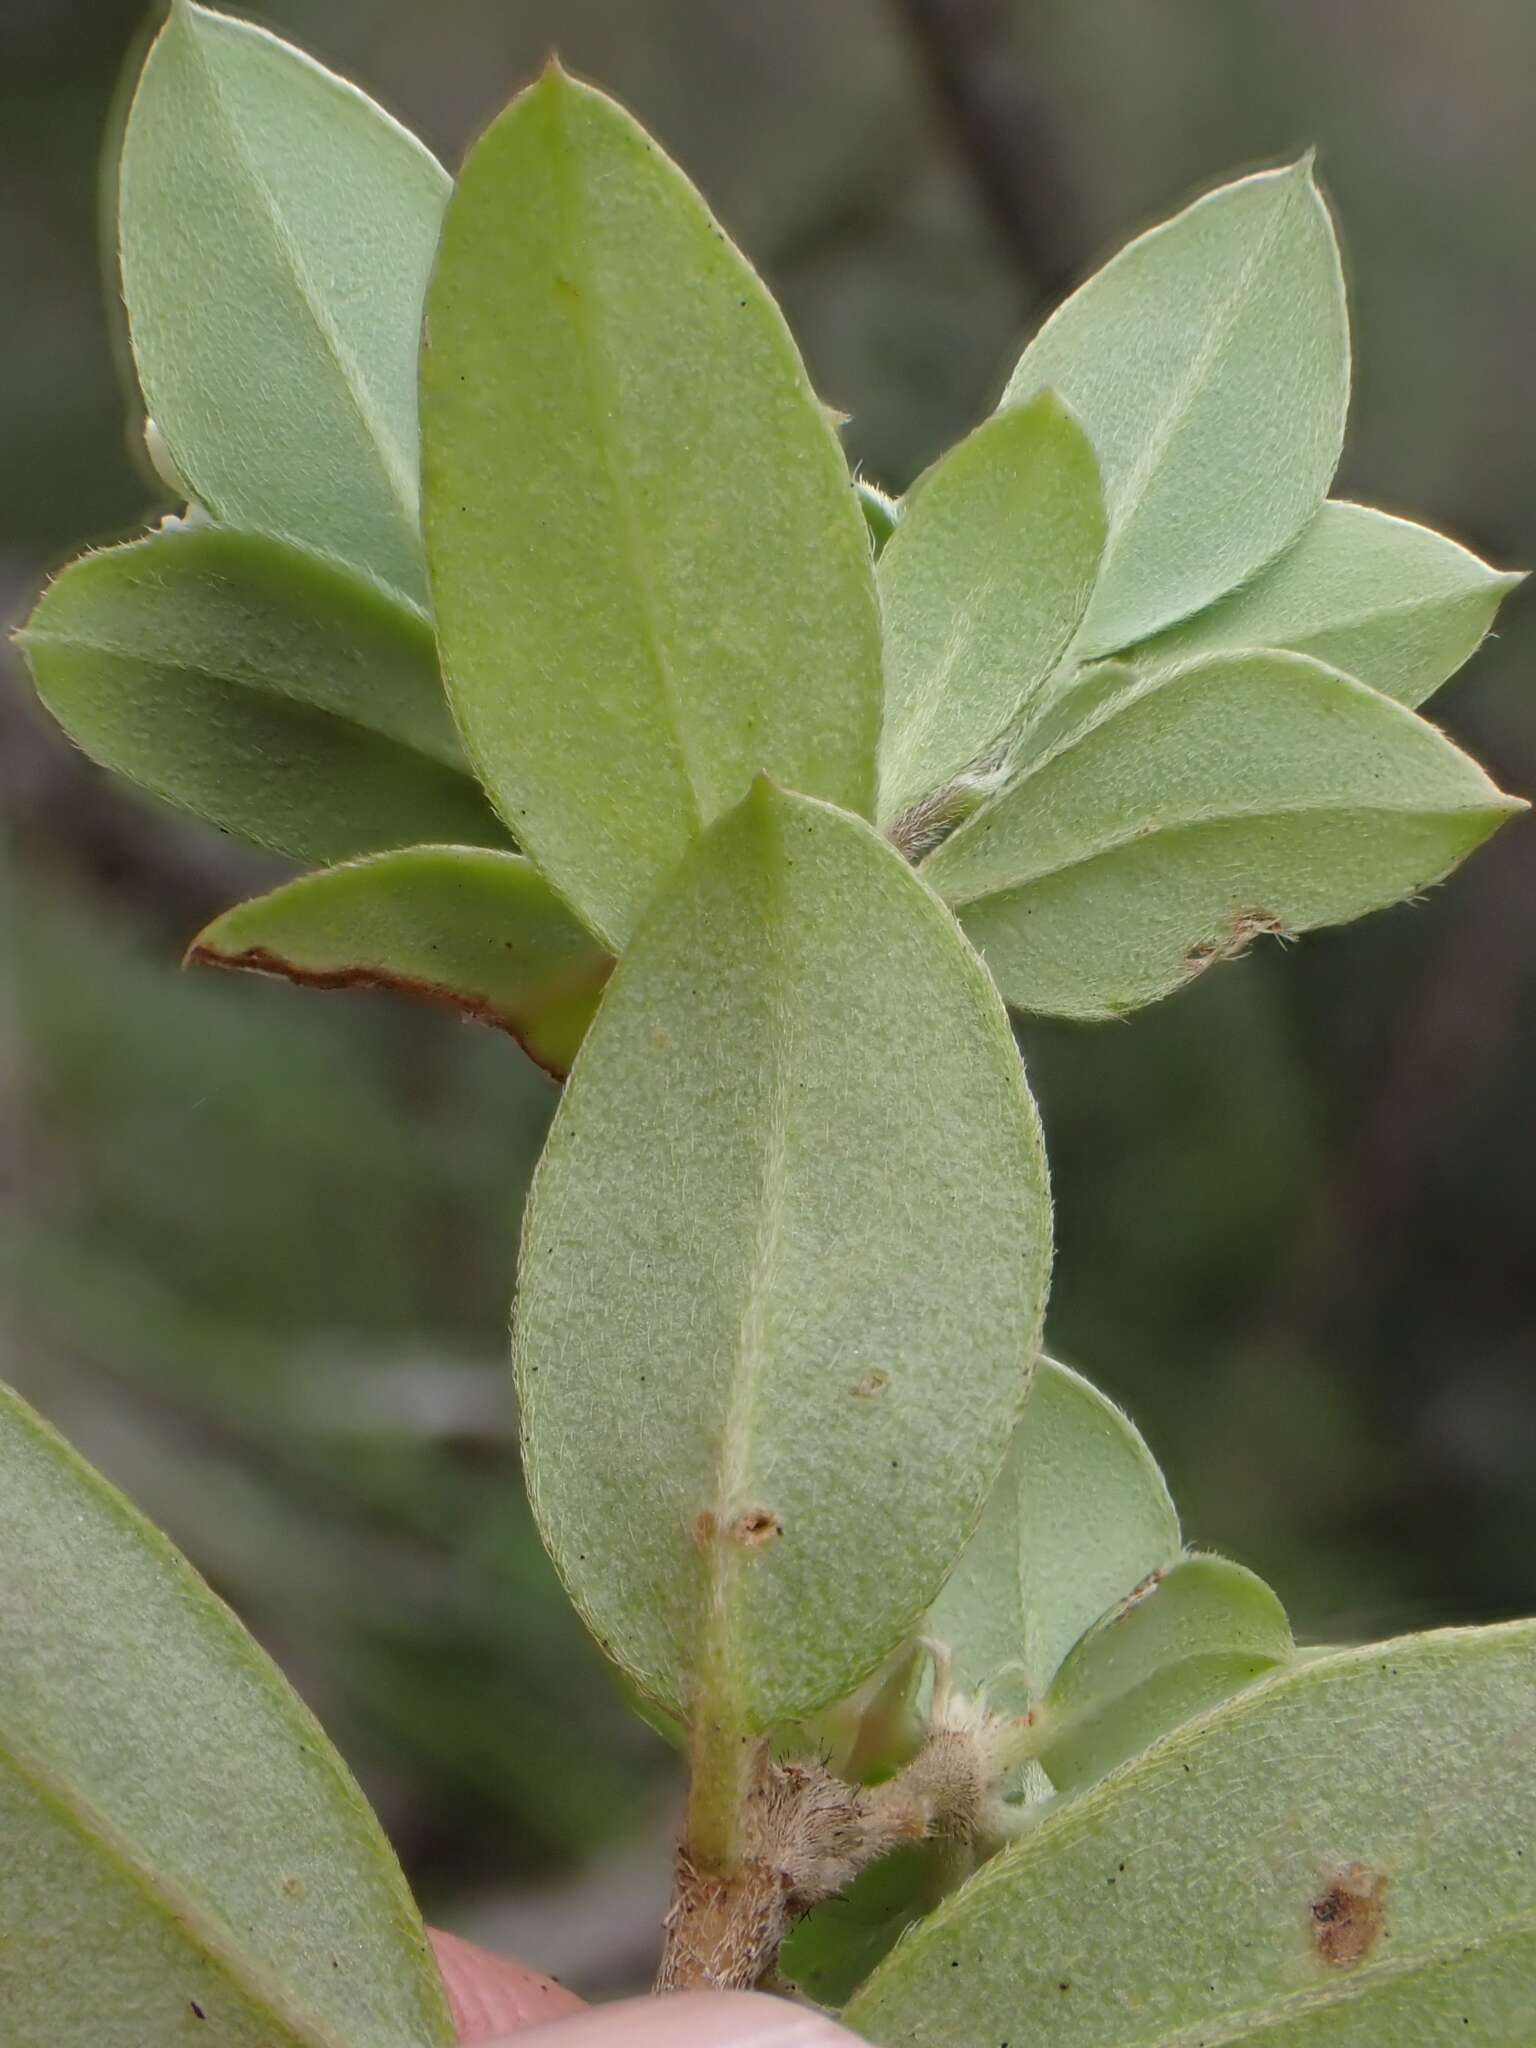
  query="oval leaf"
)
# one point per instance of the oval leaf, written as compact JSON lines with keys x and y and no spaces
{"x":477,"y":930}
{"x":186,"y":1857}
{"x":983,"y":585}
{"x":1339,"y":1858}
{"x":1079,"y":1515}
{"x":1183,"y":1640}
{"x":766,"y":1381}
{"x":1209,"y":363}
{"x":277,"y":232}
{"x":1248,"y":793}
{"x":1397,"y":605}
{"x":260,"y":686}
{"x":651,"y":572}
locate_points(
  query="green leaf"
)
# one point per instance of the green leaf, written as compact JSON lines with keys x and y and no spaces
{"x":1180,"y":1642}
{"x":1339,"y":1858}
{"x":186,"y":1857}
{"x":260,"y":686}
{"x":832,"y":1949}
{"x":1079,"y":1515}
{"x":1248,"y":793}
{"x":1209,"y":363}
{"x":651,"y":573}
{"x":766,"y":1380}
{"x":277,"y":232}
{"x":983,"y":585}
{"x":1397,"y":605}
{"x":882,"y":514}
{"x":477,"y":930}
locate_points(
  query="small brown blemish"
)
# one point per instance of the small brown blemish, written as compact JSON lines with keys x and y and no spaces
{"x":294,"y":1887}
{"x":1349,"y":1916}
{"x":756,"y":1527}
{"x":1247,"y":926}
{"x":704,"y":1527}
{"x":872,"y":1383}
{"x":197,"y":2010}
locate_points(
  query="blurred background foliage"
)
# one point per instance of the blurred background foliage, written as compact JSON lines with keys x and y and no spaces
{"x":259,"y":1242}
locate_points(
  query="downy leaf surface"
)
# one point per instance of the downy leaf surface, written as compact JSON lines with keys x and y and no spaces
{"x":262,"y":687}
{"x":983,"y":586}
{"x":1338,"y":1858}
{"x":765,"y":1380}
{"x":651,"y":573}
{"x":1185,"y":1639}
{"x":1080,"y":1515}
{"x":1209,"y":363}
{"x":277,"y":230}
{"x":1246,"y":794}
{"x":477,"y":930}
{"x":1395,"y":604}
{"x":187,"y":1860}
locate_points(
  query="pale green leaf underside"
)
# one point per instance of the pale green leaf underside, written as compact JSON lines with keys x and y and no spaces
{"x":1209,"y":363}
{"x":186,"y":1858}
{"x":651,"y":573}
{"x":982,"y":586}
{"x":478,"y":930}
{"x":1397,"y":605}
{"x":766,"y":1380}
{"x":1197,"y":1633}
{"x":1248,"y":793}
{"x":277,"y":233}
{"x":1377,"y":1807}
{"x":1079,"y":1515}
{"x":262,"y":687}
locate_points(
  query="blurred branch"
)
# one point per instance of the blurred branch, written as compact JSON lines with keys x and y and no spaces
{"x":1002,"y":132}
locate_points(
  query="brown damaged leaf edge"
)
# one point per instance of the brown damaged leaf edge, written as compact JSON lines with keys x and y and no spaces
{"x":261,"y":960}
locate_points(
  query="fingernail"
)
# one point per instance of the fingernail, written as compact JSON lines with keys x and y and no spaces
{"x":693,"y":2020}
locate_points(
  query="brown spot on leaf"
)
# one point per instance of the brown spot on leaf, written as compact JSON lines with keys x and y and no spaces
{"x":1349,"y":1916}
{"x":1247,"y":926}
{"x":704,"y":1527}
{"x":872,"y":1383}
{"x":756,"y":1527}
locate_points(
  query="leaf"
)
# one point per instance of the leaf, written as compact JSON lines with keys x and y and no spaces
{"x":1397,"y":605}
{"x":1209,"y":363}
{"x":1248,"y":793}
{"x":1079,"y":1515}
{"x":1189,"y":1636}
{"x":477,"y":930}
{"x":651,"y":573}
{"x":983,"y":585}
{"x":833,"y":1948}
{"x":277,"y":231}
{"x":260,"y":686}
{"x":1338,"y":1858}
{"x":882,"y":514}
{"x":187,"y":1857}
{"x":766,"y":1380}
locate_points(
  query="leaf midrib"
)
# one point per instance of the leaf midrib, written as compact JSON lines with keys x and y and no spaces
{"x":1176,"y":410}
{"x":1201,"y":821}
{"x":602,"y":407}
{"x":1347,"y":1988}
{"x":186,"y":1917}
{"x":391,"y":458}
{"x":719,"y":1657}
{"x":259,"y":689}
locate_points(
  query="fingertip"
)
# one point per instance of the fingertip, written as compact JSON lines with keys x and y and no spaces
{"x":690,"y":2020}
{"x":490,"y":1997}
